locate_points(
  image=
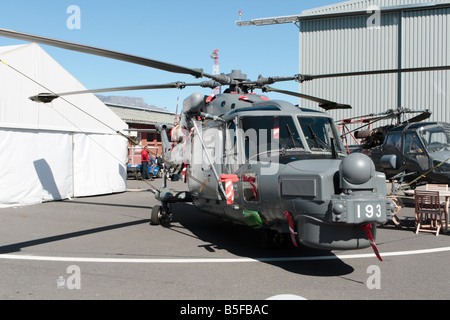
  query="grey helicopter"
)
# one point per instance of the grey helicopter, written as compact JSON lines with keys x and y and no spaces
{"x":264,"y":163}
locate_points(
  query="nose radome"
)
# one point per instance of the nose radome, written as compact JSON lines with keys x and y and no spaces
{"x":357,"y":168}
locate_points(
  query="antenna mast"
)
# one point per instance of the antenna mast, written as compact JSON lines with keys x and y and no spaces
{"x":215,"y":56}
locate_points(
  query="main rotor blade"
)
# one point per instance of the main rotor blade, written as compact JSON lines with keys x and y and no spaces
{"x":425,"y":115}
{"x":49,"y":97}
{"x":198,"y":73}
{"x":324,"y":104}
{"x":306,"y":77}
{"x":366,"y":118}
{"x":129,"y":88}
{"x":372,"y":121}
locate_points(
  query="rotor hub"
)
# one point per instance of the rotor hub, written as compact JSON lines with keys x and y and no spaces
{"x":237,"y":75}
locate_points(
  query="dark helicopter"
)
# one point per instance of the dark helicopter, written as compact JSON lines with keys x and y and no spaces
{"x":413,"y":151}
{"x":260,"y":162}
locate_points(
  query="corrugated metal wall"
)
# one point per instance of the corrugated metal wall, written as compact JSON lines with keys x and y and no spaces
{"x":406,"y":39}
{"x":426,"y":41}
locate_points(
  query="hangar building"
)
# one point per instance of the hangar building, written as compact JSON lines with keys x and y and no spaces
{"x":361,"y":35}
{"x":56,"y":150}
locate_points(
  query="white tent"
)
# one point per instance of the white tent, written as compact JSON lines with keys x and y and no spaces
{"x":54,"y":151}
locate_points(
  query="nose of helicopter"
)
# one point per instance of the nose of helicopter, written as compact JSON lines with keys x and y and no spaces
{"x":331,"y":200}
{"x":319,"y":179}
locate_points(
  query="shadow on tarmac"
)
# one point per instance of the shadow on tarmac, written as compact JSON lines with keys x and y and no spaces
{"x":217,"y":235}
{"x":243,"y":241}
{"x":17,"y":247}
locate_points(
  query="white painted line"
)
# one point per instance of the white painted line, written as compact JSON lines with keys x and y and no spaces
{"x":219,"y":260}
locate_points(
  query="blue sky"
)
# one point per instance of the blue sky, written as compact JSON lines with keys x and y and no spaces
{"x":179,"y":32}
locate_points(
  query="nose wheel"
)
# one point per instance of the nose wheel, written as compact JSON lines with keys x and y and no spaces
{"x":160,"y":214}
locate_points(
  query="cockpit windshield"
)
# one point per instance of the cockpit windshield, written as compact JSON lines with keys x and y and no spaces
{"x":319,"y":133}
{"x":435,"y":139}
{"x":265,"y":133}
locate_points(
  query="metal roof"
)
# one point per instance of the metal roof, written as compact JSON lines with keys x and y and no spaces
{"x":353,"y":5}
{"x":348,"y":8}
{"x":142,"y":115}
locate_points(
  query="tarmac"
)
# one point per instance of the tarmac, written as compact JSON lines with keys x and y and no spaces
{"x":104,"y":248}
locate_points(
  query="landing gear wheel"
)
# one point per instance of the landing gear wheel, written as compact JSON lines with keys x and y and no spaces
{"x":156,"y":215}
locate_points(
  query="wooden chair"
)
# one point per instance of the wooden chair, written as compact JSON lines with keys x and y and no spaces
{"x":444,"y":188}
{"x":429,"y":211}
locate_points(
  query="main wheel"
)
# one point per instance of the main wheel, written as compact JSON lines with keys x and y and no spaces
{"x":156,"y":215}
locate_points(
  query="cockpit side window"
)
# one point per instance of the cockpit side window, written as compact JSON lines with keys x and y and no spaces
{"x":230,"y":152}
{"x":393,"y":141}
{"x":413,"y":144}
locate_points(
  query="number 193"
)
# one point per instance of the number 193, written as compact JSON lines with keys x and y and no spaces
{"x":369,"y":211}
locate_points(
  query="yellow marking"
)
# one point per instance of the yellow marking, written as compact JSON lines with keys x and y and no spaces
{"x":203,"y":185}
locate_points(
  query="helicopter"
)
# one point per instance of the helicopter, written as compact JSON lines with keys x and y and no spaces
{"x":369,"y":137}
{"x":414,"y":151}
{"x":264,"y":163}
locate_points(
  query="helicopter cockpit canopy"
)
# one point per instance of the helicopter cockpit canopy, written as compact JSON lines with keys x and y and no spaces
{"x":266,"y":136}
{"x":435,"y":138}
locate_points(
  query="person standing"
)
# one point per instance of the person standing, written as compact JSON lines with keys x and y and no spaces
{"x":144,"y":163}
{"x":151,"y":164}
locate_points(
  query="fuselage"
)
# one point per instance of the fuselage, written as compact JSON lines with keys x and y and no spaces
{"x":270,"y":164}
